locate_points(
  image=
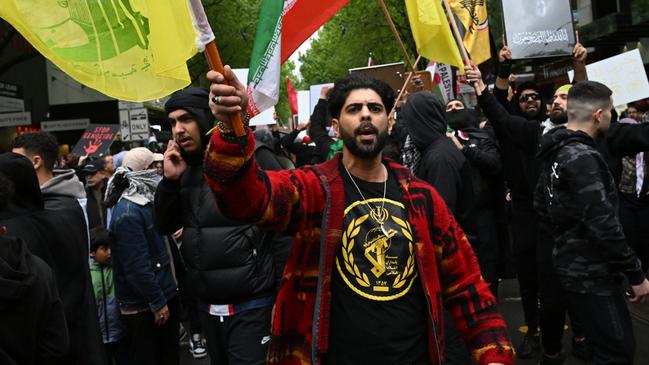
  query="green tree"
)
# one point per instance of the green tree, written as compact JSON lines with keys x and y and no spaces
{"x":234,"y":24}
{"x":283,"y":109}
{"x":347,"y":39}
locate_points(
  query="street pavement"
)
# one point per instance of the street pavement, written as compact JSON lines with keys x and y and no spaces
{"x":510,"y":307}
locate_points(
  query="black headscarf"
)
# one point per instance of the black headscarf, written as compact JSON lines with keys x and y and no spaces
{"x":194,"y":100}
{"x":425,"y":118}
{"x":27,"y":192}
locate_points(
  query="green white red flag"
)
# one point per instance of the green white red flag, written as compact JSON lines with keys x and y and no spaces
{"x":283,"y":26}
{"x":263,"y":76}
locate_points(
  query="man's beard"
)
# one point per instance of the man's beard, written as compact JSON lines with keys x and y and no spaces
{"x":362,"y":150}
{"x":559,"y":118}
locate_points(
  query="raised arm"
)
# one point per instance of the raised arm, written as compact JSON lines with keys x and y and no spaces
{"x":520,"y":131}
{"x":318,"y":126}
{"x":277,"y":200}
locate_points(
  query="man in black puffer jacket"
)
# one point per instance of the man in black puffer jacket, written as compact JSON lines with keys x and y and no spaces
{"x":230,"y":267}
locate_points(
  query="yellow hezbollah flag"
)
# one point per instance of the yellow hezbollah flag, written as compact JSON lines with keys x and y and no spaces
{"x":474,"y":24}
{"x":432,"y":33}
{"x":132,"y":50}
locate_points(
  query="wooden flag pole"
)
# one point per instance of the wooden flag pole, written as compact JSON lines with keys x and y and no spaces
{"x":403,"y":89}
{"x":406,"y":57}
{"x":458,"y":39}
{"x":215,"y":63}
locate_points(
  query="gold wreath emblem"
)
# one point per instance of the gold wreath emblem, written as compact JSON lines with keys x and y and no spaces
{"x":348,"y":256}
{"x":400,"y":280}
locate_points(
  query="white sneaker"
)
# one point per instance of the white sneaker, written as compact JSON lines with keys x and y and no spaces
{"x":197,"y":346}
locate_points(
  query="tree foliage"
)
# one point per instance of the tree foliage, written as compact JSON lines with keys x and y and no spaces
{"x":347,"y":39}
{"x":234,"y":24}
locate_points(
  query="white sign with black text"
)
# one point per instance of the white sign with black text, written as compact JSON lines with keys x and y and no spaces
{"x":15,"y":119}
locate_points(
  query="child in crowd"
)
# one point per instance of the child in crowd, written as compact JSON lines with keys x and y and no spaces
{"x":101,"y":272}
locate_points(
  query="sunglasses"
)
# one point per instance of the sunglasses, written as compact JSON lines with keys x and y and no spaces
{"x":525,"y":97}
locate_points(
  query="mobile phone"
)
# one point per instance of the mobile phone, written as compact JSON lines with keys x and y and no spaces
{"x":629,"y":292}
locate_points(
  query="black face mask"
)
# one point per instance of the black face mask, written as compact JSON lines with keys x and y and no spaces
{"x":461,"y":119}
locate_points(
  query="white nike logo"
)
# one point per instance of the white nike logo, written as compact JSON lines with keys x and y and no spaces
{"x":265,"y":339}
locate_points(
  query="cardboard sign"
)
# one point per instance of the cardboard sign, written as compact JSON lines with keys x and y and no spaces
{"x":96,"y":140}
{"x":538,"y":28}
{"x":392,"y":74}
{"x":624,"y":74}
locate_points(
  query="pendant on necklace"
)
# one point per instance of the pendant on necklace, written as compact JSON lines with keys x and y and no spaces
{"x":384,"y":231}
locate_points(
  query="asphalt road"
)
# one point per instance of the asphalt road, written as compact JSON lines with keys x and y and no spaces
{"x":510,"y":307}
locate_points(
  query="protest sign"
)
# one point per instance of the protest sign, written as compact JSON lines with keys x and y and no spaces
{"x":538,"y":28}
{"x":392,"y":74}
{"x":314,"y":95}
{"x":624,"y":74}
{"x":96,"y":140}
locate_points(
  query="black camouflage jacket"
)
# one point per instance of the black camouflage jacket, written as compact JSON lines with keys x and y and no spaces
{"x":576,"y":200}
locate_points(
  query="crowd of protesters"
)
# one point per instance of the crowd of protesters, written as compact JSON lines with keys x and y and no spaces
{"x":247,"y":242}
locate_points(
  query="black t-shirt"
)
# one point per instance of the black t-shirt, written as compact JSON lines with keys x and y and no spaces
{"x":378,"y":309}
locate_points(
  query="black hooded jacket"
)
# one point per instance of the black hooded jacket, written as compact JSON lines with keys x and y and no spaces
{"x":442,"y":165}
{"x":519,"y":140}
{"x":483,"y":154}
{"x":47,"y":235}
{"x":226,"y":262}
{"x":576,"y":199}
{"x":32,"y":322}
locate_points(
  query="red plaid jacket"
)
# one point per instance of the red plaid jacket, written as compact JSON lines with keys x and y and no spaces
{"x":309,"y":203}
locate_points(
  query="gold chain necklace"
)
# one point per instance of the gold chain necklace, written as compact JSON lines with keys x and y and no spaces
{"x":385,"y":185}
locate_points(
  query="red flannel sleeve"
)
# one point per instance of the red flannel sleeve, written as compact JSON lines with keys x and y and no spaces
{"x":271,"y":199}
{"x":466,"y":294}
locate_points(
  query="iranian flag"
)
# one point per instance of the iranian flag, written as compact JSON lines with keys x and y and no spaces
{"x":265,"y":64}
{"x":283,"y":26}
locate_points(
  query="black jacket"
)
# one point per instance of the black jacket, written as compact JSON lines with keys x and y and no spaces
{"x":483,"y":155}
{"x":519,"y":139}
{"x":226,"y":262}
{"x":318,"y":130}
{"x":576,"y":199}
{"x":94,"y":206}
{"x":442,"y":165}
{"x":49,"y":236}
{"x":304,"y":153}
{"x":32,"y":323}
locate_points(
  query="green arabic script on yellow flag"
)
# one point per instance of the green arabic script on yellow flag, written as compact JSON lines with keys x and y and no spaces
{"x":134,"y":50}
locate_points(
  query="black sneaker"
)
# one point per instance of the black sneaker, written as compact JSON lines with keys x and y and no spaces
{"x":580,"y":349}
{"x":530,"y":346}
{"x":547,"y":360}
{"x":197,"y":346}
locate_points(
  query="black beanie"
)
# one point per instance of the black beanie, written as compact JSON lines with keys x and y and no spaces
{"x":194,"y":100}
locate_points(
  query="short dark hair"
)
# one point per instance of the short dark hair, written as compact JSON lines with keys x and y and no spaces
{"x":99,"y":237}
{"x":343,"y":87}
{"x":585,"y":97}
{"x":39,"y":143}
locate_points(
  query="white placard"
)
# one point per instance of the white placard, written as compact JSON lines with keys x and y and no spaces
{"x":8,"y":104}
{"x":303,"y":103}
{"x":15,"y":119}
{"x":624,"y":74}
{"x":315,"y":95}
{"x":65,"y":125}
